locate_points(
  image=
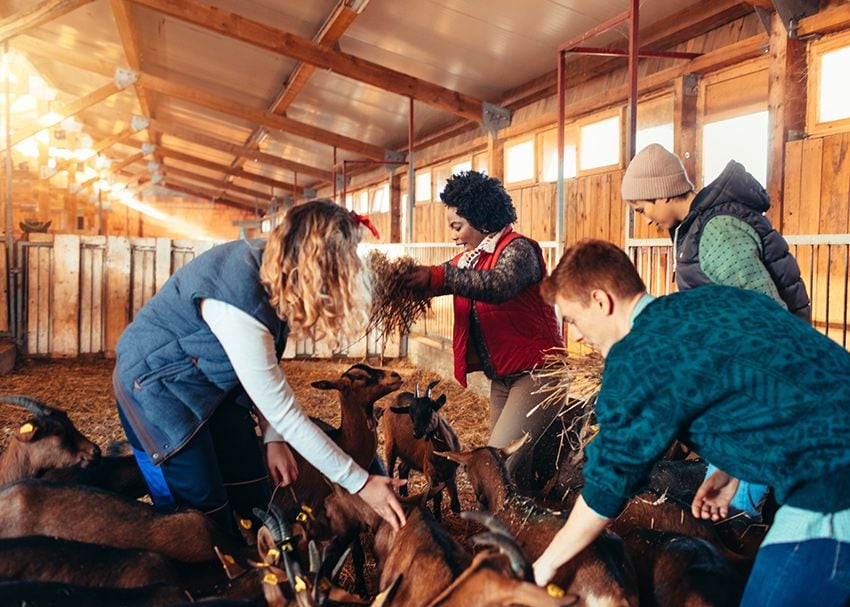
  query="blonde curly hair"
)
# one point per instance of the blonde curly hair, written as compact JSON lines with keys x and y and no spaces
{"x":315,"y":279}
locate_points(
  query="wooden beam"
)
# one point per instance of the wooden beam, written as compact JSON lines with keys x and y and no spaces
{"x":212,"y":166}
{"x":216,"y":183}
{"x":334,"y":27}
{"x":685,"y":122}
{"x":830,"y":20}
{"x":97,"y":148}
{"x":127,"y":34}
{"x":36,"y":15}
{"x":168,"y":127}
{"x":283,"y":43}
{"x":207,"y":99}
{"x":71,"y":109}
{"x":786,"y":108}
{"x":207,"y":195}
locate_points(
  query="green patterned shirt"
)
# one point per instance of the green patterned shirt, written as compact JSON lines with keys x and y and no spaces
{"x":753,"y":389}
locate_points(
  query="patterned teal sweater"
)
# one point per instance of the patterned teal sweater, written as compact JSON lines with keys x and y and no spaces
{"x":750,"y":387}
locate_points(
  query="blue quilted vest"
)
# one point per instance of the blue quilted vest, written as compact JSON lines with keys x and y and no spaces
{"x":171,"y":371}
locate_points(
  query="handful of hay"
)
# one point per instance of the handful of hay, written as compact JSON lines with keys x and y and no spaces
{"x":574,"y":380}
{"x":394,"y":306}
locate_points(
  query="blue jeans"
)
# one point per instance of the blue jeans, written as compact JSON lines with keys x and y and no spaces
{"x":814,"y":572}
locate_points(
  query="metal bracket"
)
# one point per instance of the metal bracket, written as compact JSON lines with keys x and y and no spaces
{"x":764,"y":17}
{"x":139,"y":123}
{"x":148,"y":149}
{"x":690,"y":85}
{"x":340,"y":184}
{"x":392,"y":156}
{"x":791,"y":11}
{"x":494,"y":117}
{"x":124,"y":77}
{"x":795,"y":135}
{"x":309,"y":193}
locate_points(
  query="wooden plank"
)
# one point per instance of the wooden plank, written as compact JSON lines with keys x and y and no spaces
{"x":85,"y":324}
{"x":570,"y":211}
{"x":810,"y":186}
{"x":4,"y":292}
{"x":526,"y":202}
{"x":162,"y":262}
{"x":32,"y":299}
{"x":98,"y":305}
{"x":117,"y":290}
{"x":790,"y":220}
{"x":617,"y":233}
{"x":66,"y":295}
{"x":835,"y":187}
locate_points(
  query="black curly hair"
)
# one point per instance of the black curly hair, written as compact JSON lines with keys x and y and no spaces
{"x":479,"y":199}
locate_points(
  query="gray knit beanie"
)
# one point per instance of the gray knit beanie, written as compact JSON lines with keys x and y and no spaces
{"x":655,"y":173}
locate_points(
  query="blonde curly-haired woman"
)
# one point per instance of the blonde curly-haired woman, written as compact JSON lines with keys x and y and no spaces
{"x":208,"y":344}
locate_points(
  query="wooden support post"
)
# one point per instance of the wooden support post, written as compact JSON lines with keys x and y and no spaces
{"x":496,"y":157}
{"x":685,"y":122}
{"x":395,"y":207}
{"x":786,"y":108}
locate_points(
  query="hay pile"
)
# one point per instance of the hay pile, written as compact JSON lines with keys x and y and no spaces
{"x":394,"y":306}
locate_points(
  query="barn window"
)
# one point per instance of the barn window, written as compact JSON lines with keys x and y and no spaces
{"x":465,"y":165}
{"x":519,"y":161}
{"x":381,"y":199}
{"x":548,"y":144}
{"x":423,"y":186}
{"x":481,"y":162}
{"x":599,"y":144}
{"x":743,"y":138}
{"x":441,"y":176}
{"x":655,"y":123}
{"x":829,"y":87}
{"x":362,"y":198}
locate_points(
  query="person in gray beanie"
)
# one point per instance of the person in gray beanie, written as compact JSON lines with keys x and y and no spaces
{"x":720,"y":236}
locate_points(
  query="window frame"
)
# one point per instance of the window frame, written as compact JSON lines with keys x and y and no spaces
{"x":515,"y":142}
{"x":817,"y":50}
{"x":618,"y":112}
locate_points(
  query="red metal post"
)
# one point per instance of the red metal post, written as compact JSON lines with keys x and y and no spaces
{"x":634,"y":50}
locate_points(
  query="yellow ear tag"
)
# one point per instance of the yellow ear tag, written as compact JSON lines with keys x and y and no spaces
{"x":270,"y":578}
{"x":228,"y":559}
{"x":26,"y":428}
{"x":555,"y":591}
{"x":246,"y":523}
{"x":300,"y":585}
{"x":301,"y":518}
{"x":287,"y":547}
{"x":307,"y":509}
{"x":273,"y":555}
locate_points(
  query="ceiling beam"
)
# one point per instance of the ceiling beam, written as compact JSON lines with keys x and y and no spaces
{"x":223,"y":168}
{"x":209,"y":100}
{"x":167,"y":127}
{"x":127,"y":34}
{"x":829,"y":20}
{"x":36,"y":15}
{"x":71,"y":109}
{"x":331,"y":31}
{"x":283,"y":43}
{"x":97,"y":148}
{"x":215,"y":182}
{"x":207,"y":195}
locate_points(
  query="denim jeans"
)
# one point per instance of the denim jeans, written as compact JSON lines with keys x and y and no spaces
{"x":813,"y":572}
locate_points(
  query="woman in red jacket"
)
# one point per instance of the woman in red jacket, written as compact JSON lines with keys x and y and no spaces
{"x":502,"y":325}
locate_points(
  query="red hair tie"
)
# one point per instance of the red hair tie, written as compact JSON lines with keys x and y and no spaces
{"x":364,"y":221}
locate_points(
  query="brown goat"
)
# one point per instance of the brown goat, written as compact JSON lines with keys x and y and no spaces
{"x":600,"y":572}
{"x":54,"y":594}
{"x":413,"y":432}
{"x":359,"y":387}
{"x":422,"y":552}
{"x":47,"y":440}
{"x":119,"y":474}
{"x":86,"y":514}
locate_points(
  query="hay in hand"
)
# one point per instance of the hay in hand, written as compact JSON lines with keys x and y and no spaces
{"x":574,"y":380}
{"x":394,"y":306}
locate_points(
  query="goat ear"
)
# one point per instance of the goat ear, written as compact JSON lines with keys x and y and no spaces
{"x":379,"y":413}
{"x":400,"y":410}
{"x":28,"y":431}
{"x":515,"y":446}
{"x":439,"y":402}
{"x":266,"y":547}
{"x":460,"y":457}
{"x":231,"y":568}
{"x":325,"y":384}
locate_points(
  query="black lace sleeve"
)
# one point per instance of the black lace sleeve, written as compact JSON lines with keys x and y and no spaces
{"x":517,"y":268}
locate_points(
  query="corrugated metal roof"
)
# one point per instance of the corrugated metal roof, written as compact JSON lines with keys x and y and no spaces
{"x":476,"y":48}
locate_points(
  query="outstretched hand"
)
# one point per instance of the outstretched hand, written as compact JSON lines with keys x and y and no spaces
{"x":418,"y":277}
{"x":714,"y":495}
{"x":379,"y":493}
{"x":282,"y":465}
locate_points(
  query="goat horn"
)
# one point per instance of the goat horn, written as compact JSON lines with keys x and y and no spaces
{"x":508,"y":547}
{"x":270,"y":522}
{"x":282,"y":523}
{"x":417,"y":389}
{"x":315,"y":560}
{"x":486,"y":519}
{"x":33,"y":405}
{"x":431,"y":387}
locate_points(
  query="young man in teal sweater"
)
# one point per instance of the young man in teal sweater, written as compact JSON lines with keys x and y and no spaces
{"x":735,"y":377}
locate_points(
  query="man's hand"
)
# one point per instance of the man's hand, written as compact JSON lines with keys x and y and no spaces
{"x":379,"y":493}
{"x":713,"y":496}
{"x":282,"y":466}
{"x":543,"y":571}
{"x":418,"y":277}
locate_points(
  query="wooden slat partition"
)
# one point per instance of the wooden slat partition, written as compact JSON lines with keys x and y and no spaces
{"x":4,"y":293}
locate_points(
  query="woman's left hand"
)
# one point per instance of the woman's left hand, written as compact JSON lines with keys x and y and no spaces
{"x":282,"y":465}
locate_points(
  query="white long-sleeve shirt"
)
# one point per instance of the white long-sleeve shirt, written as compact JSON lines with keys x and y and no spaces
{"x":250,"y":348}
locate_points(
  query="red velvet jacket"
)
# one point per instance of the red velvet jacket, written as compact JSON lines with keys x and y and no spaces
{"x":517,"y":333}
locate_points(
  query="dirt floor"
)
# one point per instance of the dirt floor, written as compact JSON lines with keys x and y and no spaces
{"x":83,"y":387}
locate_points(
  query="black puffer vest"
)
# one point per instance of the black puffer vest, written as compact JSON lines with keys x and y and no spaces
{"x":737,"y":193}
